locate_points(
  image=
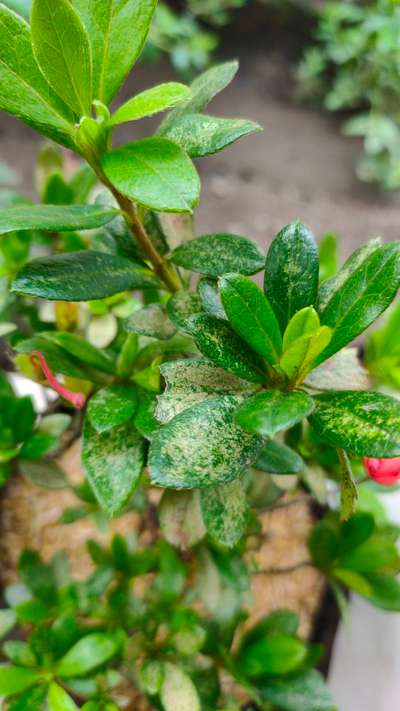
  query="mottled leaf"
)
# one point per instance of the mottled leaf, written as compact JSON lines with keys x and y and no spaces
{"x":225,"y":512}
{"x":54,"y":218}
{"x":151,"y":321}
{"x":201,"y":135}
{"x":303,"y":691}
{"x":112,"y":406}
{"x":270,"y":411}
{"x":210,"y":297}
{"x":180,"y":518}
{"x":343,"y":371}
{"x":182,"y":306}
{"x":217,"y":254}
{"x":178,"y":693}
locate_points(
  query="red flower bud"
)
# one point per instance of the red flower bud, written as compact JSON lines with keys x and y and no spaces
{"x":78,"y":400}
{"x":383,"y":471}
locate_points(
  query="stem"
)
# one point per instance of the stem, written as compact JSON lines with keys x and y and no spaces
{"x":348,"y":491}
{"x":284,"y":571}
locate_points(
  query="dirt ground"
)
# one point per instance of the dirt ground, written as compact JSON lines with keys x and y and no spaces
{"x":298,"y":167}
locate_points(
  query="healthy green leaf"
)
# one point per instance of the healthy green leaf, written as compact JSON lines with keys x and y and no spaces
{"x":270,"y":411}
{"x":112,"y":406}
{"x":365,"y":423}
{"x":217,"y":254}
{"x":218,"y":342}
{"x":57,"y":358}
{"x":225,"y":512}
{"x":324,"y":544}
{"x":31,"y":700}
{"x":210,"y":298}
{"x":117,"y":32}
{"x":151,"y":101}
{"x":156,"y":173}
{"x":354,"y":532}
{"x":328,"y":261}
{"x":55,"y":218}
{"x":178,"y":693}
{"x":16,"y":679}
{"x":82,"y":350}
{"x":251,"y":316}
{"x":151,"y":321}
{"x":81,"y":276}
{"x":182,"y":306}
{"x":302,"y":353}
{"x":304,"y":323}
{"x":276,"y":458}
{"x":59,"y":700}
{"x":303,"y":691}
{"x":113,"y":461}
{"x":200,"y":135}
{"x":90,"y":652}
{"x":272,"y":657}
{"x":23,"y":90}
{"x":291,"y":272}
{"x":61,"y":47}
{"x":201,"y":447}
{"x":277,"y":623}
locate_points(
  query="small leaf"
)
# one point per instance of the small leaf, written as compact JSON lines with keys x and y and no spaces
{"x":268,"y":412}
{"x":61,"y":47}
{"x":112,"y":406}
{"x":225,"y":512}
{"x":182,"y":306}
{"x":200,"y":135}
{"x":306,"y":690}
{"x":302,"y":353}
{"x":56,"y":358}
{"x":151,"y":321}
{"x":76,"y":277}
{"x":201,"y":447}
{"x":180,"y":518}
{"x":19,"y":653}
{"x":272,"y":657}
{"x":156,"y":173}
{"x":348,"y":487}
{"x":113,"y":461}
{"x":38,"y":445}
{"x":151,"y":101}
{"x":276,"y":458}
{"x":31,"y":700}
{"x":365,"y":423}
{"x":304,"y":323}
{"x":8,"y":620}
{"x":178,"y":693}
{"x":13,"y":680}
{"x":59,"y":700}
{"x":55,"y":218}
{"x":90,"y":652}
{"x":291,"y":272}
{"x":328,"y":259}
{"x":210,"y":298}
{"x":217,"y":254}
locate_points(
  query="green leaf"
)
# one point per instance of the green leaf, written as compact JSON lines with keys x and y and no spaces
{"x":156,"y":173}
{"x":24,"y":92}
{"x":217,"y":254}
{"x":303,"y":691}
{"x":8,"y":620}
{"x":277,"y":623}
{"x":276,"y":458}
{"x":182,"y":306}
{"x":365,"y":423}
{"x":117,"y":32}
{"x":251,"y":316}
{"x":359,"y":296}
{"x":304,"y":323}
{"x":216,"y":340}
{"x":81,"y":276}
{"x":291,"y":272}
{"x":180,"y":518}
{"x":225,"y":512}
{"x":19,"y":653}
{"x":151,"y":101}
{"x":271,"y":411}
{"x":55,"y":218}
{"x":198,"y":375}
{"x":178,"y":690}
{"x":82,"y":350}
{"x":61,"y":47}
{"x":31,"y":700}
{"x":151,"y":321}
{"x":208,"y":291}
{"x":58,"y":359}
{"x":113,"y":461}
{"x":348,"y":487}
{"x":37,"y":445}
{"x":272,"y":657}
{"x":59,"y":700}
{"x":328,"y":260}
{"x":16,"y":679}
{"x":46,"y":474}
{"x":90,"y":652}
{"x":354,"y":532}
{"x":200,"y":135}
{"x":302,"y":353}
{"x":201,"y":447}
{"x":112,"y":406}
{"x":324,"y":544}
{"x":378,"y":554}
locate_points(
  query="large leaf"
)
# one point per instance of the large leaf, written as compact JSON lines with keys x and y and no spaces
{"x":151,"y":101}
{"x":360,"y":296}
{"x":356,"y":259}
{"x":81,"y":276}
{"x":251,"y":316}
{"x":90,"y":652}
{"x":112,"y":406}
{"x":113,"y":461}
{"x":201,"y":447}
{"x":200,"y":375}
{"x":217,"y":254}
{"x":117,"y":32}
{"x":61,"y":47}
{"x":365,"y":423}
{"x":178,"y":693}
{"x":225,"y":512}
{"x":16,"y":679}
{"x":55,"y":218}
{"x":216,"y":340}
{"x":156,"y":173}
{"x":201,"y":135}
{"x":24,"y":91}
{"x":306,"y":692}
{"x":291,"y":272}
{"x":270,"y":411}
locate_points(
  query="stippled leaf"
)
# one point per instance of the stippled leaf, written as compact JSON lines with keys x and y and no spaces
{"x":225,"y":512}
{"x":217,"y":254}
{"x":178,"y":693}
{"x":54,"y":218}
{"x":202,"y":447}
{"x":182,"y":306}
{"x":113,"y":461}
{"x":210,"y":298}
{"x":200,"y":375}
{"x":200,"y":135}
{"x":302,"y":691}
{"x":151,"y":321}
{"x":268,"y":412}
{"x":343,"y":371}
{"x":277,"y":458}
{"x":112,"y":406}
{"x":291,"y":272}
{"x":180,"y":518}
{"x":365,"y":423}
{"x":151,"y":101}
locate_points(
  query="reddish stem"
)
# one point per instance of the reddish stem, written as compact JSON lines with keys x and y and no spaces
{"x":78,"y":400}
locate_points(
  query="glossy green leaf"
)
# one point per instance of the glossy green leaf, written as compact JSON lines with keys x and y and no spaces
{"x":306,"y":691}
{"x":210,"y":297}
{"x":151,"y":101}
{"x":365,"y":423}
{"x":156,"y":173}
{"x":61,"y":47}
{"x":378,"y":554}
{"x":251,"y":316}
{"x":328,"y":258}
{"x":178,"y":693}
{"x":302,"y":353}
{"x":202,"y":446}
{"x":200,"y":135}
{"x":16,"y":679}
{"x":112,"y":406}
{"x":217,"y":254}
{"x":151,"y":321}
{"x":277,"y":458}
{"x":38,"y":445}
{"x":304,"y":323}
{"x":182,"y":306}
{"x":117,"y":32}
{"x":24,"y":92}
{"x":55,"y":218}
{"x":82,"y":350}
{"x":272,"y":657}
{"x":291,"y":272}
{"x":47,"y":474}
{"x":225,"y":512}
{"x":113,"y":461}
{"x":59,"y":700}
{"x":81,"y":276}
{"x":360,"y":295}
{"x":218,"y":342}
{"x":90,"y":652}
{"x":270,"y":411}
